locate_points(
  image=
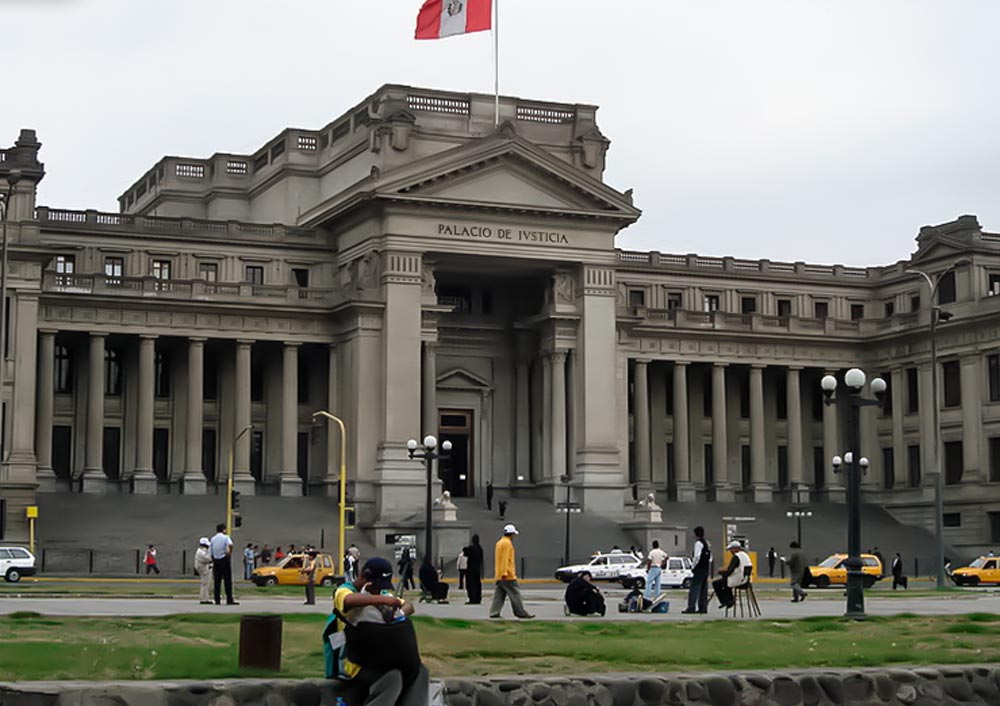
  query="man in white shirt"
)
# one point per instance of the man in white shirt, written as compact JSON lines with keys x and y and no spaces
{"x":221,"y":547}
{"x":655,"y":562}
{"x":736,"y":574}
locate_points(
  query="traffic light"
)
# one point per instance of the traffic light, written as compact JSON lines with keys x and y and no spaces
{"x":350,"y":517}
{"x":235,"y":499}
{"x":237,"y":519}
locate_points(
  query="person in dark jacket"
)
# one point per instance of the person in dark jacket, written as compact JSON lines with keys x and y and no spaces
{"x":405,"y":567}
{"x":798,"y":567}
{"x":772,"y":556}
{"x":897,"y":572}
{"x":431,"y":583}
{"x":583,"y":597}
{"x":474,"y":571}
{"x":702,"y":566}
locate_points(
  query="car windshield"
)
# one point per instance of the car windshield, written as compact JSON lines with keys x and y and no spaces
{"x":978,"y":563}
{"x":829,"y":562}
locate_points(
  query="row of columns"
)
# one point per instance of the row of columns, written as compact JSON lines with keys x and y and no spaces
{"x":193,"y":477}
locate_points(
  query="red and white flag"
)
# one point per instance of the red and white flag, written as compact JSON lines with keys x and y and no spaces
{"x":446,"y":18}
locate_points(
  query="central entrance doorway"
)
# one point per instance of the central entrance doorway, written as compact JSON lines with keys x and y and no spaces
{"x":457,"y":473}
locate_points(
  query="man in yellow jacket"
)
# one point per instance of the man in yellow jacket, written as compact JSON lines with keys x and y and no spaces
{"x":506,"y":577}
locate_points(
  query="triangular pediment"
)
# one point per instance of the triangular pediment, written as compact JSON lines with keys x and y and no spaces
{"x":462,"y":379}
{"x":947,"y":239}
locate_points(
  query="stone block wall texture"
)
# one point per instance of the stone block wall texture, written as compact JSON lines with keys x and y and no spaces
{"x":883,"y":687}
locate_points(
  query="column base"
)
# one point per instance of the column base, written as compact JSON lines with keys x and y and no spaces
{"x":244,"y":483}
{"x":194,"y":483}
{"x":291,"y":486}
{"x":400,"y":483}
{"x":725,"y":493}
{"x":800,"y":494}
{"x":93,"y":481}
{"x":762,"y":493}
{"x":46,"y":479}
{"x":686,"y":492}
{"x":836,"y":494}
{"x":327,"y":488}
{"x":143,"y":482}
{"x":599,"y":481}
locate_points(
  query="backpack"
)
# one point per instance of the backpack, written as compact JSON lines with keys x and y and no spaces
{"x":331,"y":653}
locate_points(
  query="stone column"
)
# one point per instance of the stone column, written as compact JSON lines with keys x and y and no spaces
{"x":682,"y":456}
{"x":331,"y":481}
{"x":243,"y":480}
{"x":899,"y":457}
{"x":194,"y":481}
{"x":640,"y":409}
{"x":45,"y":476}
{"x":546,"y":440}
{"x":796,"y":475}
{"x":972,"y":419}
{"x":143,"y":477}
{"x":557,"y":438}
{"x":724,"y":491}
{"x":762,"y":489}
{"x":291,"y":484}
{"x":94,"y":478}
{"x":929,"y":461}
{"x":831,"y":447}
{"x":522,"y":419}
{"x":869,"y":447}
{"x":429,"y":390}
{"x":21,"y":463}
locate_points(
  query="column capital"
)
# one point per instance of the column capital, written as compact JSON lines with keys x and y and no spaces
{"x":431,"y":346}
{"x":720,"y":364}
{"x":682,"y":362}
{"x":148,"y":336}
{"x":557,"y":356}
{"x":196,"y":339}
{"x":643,"y":361}
{"x":48,"y":331}
{"x":98,"y":334}
{"x":244,"y":342}
{"x":758,"y":366}
{"x":796,"y":368}
{"x":292,"y":344}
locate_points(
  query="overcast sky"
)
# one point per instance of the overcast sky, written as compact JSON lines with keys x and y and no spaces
{"x":792,"y":129}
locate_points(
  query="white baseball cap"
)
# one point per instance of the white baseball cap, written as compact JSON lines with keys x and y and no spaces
{"x":204,"y":541}
{"x":509,"y":529}
{"x":734,"y":545}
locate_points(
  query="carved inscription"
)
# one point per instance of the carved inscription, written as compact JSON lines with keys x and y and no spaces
{"x":503,"y":235}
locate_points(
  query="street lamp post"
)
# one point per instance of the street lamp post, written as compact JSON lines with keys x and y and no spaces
{"x":855,"y":465}
{"x":937,"y":316}
{"x":798,"y":514}
{"x":428,"y":455}
{"x":569,"y":508}
{"x":341,"y":549}
{"x":13,"y":177}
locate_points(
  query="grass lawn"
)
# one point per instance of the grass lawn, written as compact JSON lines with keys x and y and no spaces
{"x":204,"y":646}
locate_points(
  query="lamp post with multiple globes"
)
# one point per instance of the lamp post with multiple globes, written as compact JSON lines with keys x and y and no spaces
{"x":429,"y":454}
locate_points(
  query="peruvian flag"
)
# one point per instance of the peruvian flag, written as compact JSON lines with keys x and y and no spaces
{"x":445,"y":18}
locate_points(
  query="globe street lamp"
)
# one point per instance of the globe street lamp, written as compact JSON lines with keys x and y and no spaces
{"x":854,"y":467}
{"x":937,"y":316}
{"x":428,"y":455}
{"x":798,"y":514}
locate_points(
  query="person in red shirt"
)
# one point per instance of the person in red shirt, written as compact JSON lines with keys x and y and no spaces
{"x":151,"y":562}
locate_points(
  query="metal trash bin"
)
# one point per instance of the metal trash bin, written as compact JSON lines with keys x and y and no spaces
{"x":260,"y":642}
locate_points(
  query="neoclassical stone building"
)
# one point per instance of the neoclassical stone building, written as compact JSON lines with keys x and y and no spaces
{"x":416,"y":269}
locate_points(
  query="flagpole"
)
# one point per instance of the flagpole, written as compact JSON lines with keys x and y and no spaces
{"x":496,"y":63}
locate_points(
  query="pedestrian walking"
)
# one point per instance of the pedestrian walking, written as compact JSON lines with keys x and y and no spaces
{"x":701,"y":563}
{"x":489,"y":495}
{"x":352,"y":561}
{"x":798,"y":567}
{"x":203,"y":567}
{"x":655,"y":563}
{"x":897,"y":572}
{"x":405,"y":567}
{"x":151,"y":561}
{"x":772,"y":556}
{"x":221,"y":546}
{"x":505,"y":576}
{"x":248,"y":562}
{"x":502,"y":506}
{"x":474,"y":571}
{"x":462,"y":564}
{"x":309,"y":571}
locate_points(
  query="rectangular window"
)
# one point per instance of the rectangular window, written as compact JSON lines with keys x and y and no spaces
{"x":161,"y":271}
{"x":674,"y":301}
{"x":821,"y":310}
{"x":255,"y":274}
{"x":913,"y":465}
{"x":951,"y":373}
{"x":784,"y":308}
{"x":914,"y":302}
{"x":65,"y":266}
{"x":994,"y":285}
{"x":946,"y":288}
{"x":208,"y":271}
{"x":857,"y":312}
{"x":636,"y":297}
{"x":112,"y":372}
{"x":300,"y":277}
{"x":890,"y":309}
{"x":63,"y":374}
{"x":162,"y":375}
{"x":995,"y":459}
{"x":782,"y":467}
{"x":887,"y":396}
{"x":888,"y":468}
{"x":819,"y":468}
{"x":951,"y":519}
{"x":912,"y":391}
{"x":114,"y":268}
{"x":745,"y":466}
{"x":706,"y":397}
{"x":993,"y":373}
{"x":953,"y":462}
{"x":748,"y":305}
{"x":711,"y":302}
{"x":709,"y":466}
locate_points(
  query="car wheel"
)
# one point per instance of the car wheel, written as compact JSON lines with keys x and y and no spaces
{"x":868,"y":581}
{"x":270,"y":581}
{"x":13,"y":575}
{"x":971,"y":581}
{"x":686,"y":583}
{"x":328,"y":581}
{"x":822,"y":581}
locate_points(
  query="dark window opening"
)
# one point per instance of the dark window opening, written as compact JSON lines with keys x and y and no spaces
{"x":953,"y":462}
{"x":890,"y":309}
{"x":888,"y":468}
{"x":816,"y":398}
{"x":636,"y":297}
{"x":914,"y":302}
{"x":111,"y":452}
{"x":951,"y":519}
{"x":782,"y":467}
{"x":913,"y":465}
{"x":946,"y":288}
{"x":912,"y":391}
{"x":300,"y":276}
{"x":256,"y":381}
{"x":303,"y":380}
{"x":112,"y":372}
{"x":162,"y":375}
{"x":995,"y":459}
{"x":887,"y":396}
{"x":745,"y":466}
{"x":208,"y":454}
{"x":671,"y":474}
{"x":674,"y":301}
{"x":819,"y":468}
{"x":458,"y":298}
{"x":63,"y":370}
{"x":952,"y":375}
{"x":748,"y":305}
{"x":781,"y":397}
{"x":994,"y":526}
{"x":784,"y":308}
{"x":993,"y":373}
{"x":161,"y":453}
{"x":255,"y":274}
{"x":821,"y":310}
{"x":857,"y":312}
{"x":745,"y":398}
{"x":62,"y":451}
{"x":709,"y":466}
{"x":706,"y":397}
{"x":257,"y":455}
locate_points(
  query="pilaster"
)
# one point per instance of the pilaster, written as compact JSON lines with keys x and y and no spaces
{"x":972,"y":418}
{"x":143,"y":478}
{"x":641,"y":426}
{"x":291,"y":484}
{"x":94,"y":479}
{"x":193,"y":481}
{"x":45,"y":476}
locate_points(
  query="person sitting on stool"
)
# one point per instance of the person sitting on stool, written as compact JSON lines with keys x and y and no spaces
{"x":431,"y":583}
{"x":583,"y":597}
{"x":733,"y":575}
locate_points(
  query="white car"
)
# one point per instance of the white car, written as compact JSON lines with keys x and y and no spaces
{"x":16,"y":562}
{"x":678,"y":574}
{"x":603,"y":567}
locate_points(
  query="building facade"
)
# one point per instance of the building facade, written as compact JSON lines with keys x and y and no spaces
{"x":414,"y":268}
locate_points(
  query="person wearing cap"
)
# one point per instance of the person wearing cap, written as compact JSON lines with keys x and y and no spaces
{"x":309,"y":571}
{"x":399,"y":678}
{"x":505,"y":577}
{"x":733,"y":575}
{"x":203,"y":567}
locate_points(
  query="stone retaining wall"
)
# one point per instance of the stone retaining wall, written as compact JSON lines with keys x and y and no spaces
{"x":882,"y":687}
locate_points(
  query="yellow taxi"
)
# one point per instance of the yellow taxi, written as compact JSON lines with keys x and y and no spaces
{"x":832,"y":571}
{"x":985,"y":569}
{"x":288,"y":571}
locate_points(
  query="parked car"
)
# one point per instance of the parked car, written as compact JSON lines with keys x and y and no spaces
{"x":16,"y":562}
{"x":602,"y":567}
{"x":832,"y":571}
{"x":678,"y":574}
{"x":288,"y":571}
{"x":985,"y":569}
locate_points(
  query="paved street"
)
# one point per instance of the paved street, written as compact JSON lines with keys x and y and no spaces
{"x":545,"y":603}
